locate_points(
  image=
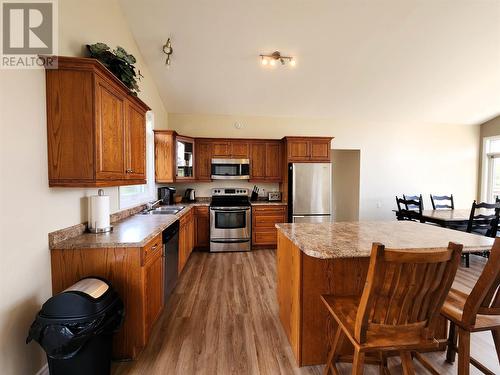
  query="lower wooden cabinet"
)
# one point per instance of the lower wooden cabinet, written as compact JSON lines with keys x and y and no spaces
{"x":186,"y":238}
{"x":264,"y":218}
{"x":135,"y":273}
{"x":201,"y":227}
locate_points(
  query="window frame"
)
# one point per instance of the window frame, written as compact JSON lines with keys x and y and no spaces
{"x":487,"y":170}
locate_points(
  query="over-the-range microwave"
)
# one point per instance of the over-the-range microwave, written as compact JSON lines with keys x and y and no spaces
{"x":230,"y":169}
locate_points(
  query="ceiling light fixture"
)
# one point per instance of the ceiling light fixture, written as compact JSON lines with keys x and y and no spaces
{"x":273,"y":58}
{"x":168,"y":50}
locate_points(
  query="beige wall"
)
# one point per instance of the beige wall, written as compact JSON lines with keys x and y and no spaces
{"x":346,"y":168}
{"x":29,"y":208}
{"x":490,"y":128}
{"x":395,"y":158}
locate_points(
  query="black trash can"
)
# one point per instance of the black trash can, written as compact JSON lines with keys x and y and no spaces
{"x":75,"y":328}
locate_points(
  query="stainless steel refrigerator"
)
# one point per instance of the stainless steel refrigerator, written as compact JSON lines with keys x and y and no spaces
{"x":309,"y":192}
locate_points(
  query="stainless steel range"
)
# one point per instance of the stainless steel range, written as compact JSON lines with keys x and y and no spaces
{"x":230,"y":220}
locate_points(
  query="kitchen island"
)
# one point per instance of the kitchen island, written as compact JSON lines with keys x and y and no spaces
{"x":332,"y":258}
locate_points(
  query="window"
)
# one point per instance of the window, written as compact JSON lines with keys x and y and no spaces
{"x":490,"y":188}
{"x":137,"y":194}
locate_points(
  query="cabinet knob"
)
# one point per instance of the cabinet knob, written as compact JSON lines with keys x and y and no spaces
{"x":129,"y":171}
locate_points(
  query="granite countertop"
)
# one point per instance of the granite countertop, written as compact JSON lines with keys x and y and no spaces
{"x":354,"y":239}
{"x":268,"y":203}
{"x":134,"y":231}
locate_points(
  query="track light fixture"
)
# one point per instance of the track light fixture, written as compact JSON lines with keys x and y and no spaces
{"x":168,"y":50}
{"x":276,"y":57}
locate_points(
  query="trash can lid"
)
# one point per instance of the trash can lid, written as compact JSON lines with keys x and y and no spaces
{"x":91,"y":286}
{"x":85,"y":299}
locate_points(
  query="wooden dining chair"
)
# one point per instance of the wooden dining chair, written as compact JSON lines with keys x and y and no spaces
{"x":398,"y":309}
{"x":409,"y":209}
{"x":478,"y":311}
{"x":483,"y":219}
{"x":412,"y":206}
{"x":448,"y":203}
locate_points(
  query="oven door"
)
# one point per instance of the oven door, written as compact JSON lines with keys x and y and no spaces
{"x":230,"y":223}
{"x":230,"y":169}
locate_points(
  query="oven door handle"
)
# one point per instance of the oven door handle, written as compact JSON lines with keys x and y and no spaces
{"x":230,"y":241}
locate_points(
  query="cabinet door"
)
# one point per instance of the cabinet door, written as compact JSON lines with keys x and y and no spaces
{"x":182,"y":246}
{"x":136,"y":144}
{"x":203,"y":161}
{"x":258,"y":161}
{"x":298,"y":150}
{"x":110,"y":133}
{"x":153,"y":291}
{"x":240,"y":150}
{"x":273,"y":161}
{"x":185,"y":156}
{"x":202,"y":227}
{"x":164,"y":156}
{"x":320,"y":150}
{"x":221,"y":149}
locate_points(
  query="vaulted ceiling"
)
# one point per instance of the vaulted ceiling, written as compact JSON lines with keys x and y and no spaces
{"x":430,"y":61}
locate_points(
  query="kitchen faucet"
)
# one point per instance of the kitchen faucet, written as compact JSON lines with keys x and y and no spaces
{"x":151,"y":205}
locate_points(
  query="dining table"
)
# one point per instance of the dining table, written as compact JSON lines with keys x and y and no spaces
{"x":447,"y":218}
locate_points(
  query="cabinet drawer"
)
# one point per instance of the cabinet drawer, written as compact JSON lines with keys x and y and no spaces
{"x":269,"y":210}
{"x":265,"y":237}
{"x":268,"y":221}
{"x":152,"y":250}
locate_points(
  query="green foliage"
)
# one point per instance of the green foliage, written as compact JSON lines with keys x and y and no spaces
{"x":119,"y":62}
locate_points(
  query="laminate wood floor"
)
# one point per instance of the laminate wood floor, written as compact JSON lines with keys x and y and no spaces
{"x":223,"y":319}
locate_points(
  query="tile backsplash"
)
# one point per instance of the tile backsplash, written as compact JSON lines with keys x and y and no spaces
{"x":203,"y":189}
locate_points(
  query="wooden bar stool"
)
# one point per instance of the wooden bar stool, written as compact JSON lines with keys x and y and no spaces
{"x":399,"y":306}
{"x":478,"y":311}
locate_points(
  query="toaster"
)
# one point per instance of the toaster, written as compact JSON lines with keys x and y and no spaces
{"x":274,"y":196}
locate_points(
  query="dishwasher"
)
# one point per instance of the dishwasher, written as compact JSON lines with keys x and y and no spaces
{"x":171,"y":258}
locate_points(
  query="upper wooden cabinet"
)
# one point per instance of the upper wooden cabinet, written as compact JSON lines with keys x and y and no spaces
{"x":203,"y":161}
{"x":265,"y":161}
{"x":230,"y":149}
{"x":308,"y":149}
{"x":174,"y":157}
{"x":164,"y":156}
{"x":96,"y":129}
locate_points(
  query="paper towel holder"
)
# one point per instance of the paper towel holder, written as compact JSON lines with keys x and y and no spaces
{"x":100,"y":192}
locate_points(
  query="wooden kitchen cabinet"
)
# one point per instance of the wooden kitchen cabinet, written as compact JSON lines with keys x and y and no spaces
{"x":96,"y":129}
{"x":203,"y":160}
{"x":164,"y":156}
{"x":308,"y":149}
{"x":237,"y":149}
{"x":186,"y":238}
{"x":264,"y":218}
{"x":201,"y":227}
{"x":265,"y":160}
{"x":136,"y":273}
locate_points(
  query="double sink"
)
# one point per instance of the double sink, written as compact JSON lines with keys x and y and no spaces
{"x":163,"y":210}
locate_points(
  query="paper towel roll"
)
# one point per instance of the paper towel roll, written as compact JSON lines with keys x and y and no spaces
{"x":99,"y":211}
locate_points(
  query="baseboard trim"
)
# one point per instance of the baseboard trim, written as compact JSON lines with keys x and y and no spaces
{"x":44,"y":370}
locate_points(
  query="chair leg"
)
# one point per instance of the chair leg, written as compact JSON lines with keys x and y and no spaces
{"x":463,"y":352}
{"x":358,"y":362}
{"x":452,"y":344}
{"x":382,"y":367}
{"x":407,"y":363}
{"x":496,"y":338}
{"x":338,"y":340}
{"x":467,"y":260}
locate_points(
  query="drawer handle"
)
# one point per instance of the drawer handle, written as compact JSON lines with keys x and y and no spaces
{"x":129,"y":171}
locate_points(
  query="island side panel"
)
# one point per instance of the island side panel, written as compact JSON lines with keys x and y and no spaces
{"x":339,"y":277}
{"x":122,"y":267}
{"x":288,"y":265}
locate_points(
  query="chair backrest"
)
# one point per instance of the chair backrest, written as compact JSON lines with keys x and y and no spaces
{"x":405,"y":290}
{"x":486,"y":219}
{"x":419,"y":205}
{"x":407,"y":210}
{"x":485,"y":296}
{"x":439,"y":198}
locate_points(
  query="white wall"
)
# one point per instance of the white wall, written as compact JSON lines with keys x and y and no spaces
{"x":346,"y":168}
{"x":30,"y":209}
{"x":395,"y":158}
